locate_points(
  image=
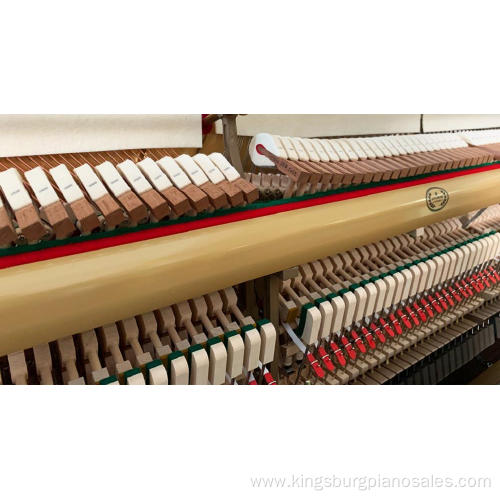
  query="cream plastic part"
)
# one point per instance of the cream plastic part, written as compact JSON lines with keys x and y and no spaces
{"x":287,"y":147}
{"x":66,"y":184}
{"x":363,"y":145}
{"x":175,"y":173}
{"x":388,"y":144}
{"x":112,"y":178}
{"x":210,"y":169}
{"x":371,"y":299}
{"x":310,"y":149}
{"x":439,"y":269}
{"x":298,"y":146}
{"x":347,"y":148}
{"x":381,"y":286}
{"x":332,"y":155}
{"x":218,"y":362}
{"x":339,"y":150}
{"x":396,"y":145}
{"x":281,"y":150}
{"x":416,"y":274}
{"x":39,"y":182}
{"x":391,"y":291}
{"x":400,"y":284}
{"x":350,"y":306}
{"x":358,"y":150}
{"x":199,"y":368}
{"x":404,"y":144}
{"x":338,"y":306}
{"x":326,"y":311}
{"x":407,"y":276}
{"x":382,"y":146}
{"x":13,"y":189}
{"x":267,"y":140}
{"x":224,"y":166}
{"x":179,"y":371}
{"x":320,"y":150}
{"x":373,"y":144}
{"x":158,"y":375}
{"x":431,"y":263}
{"x":194,"y":172}
{"x":137,"y":379}
{"x":312,"y":326}
{"x":235,"y":356}
{"x":91,"y":182}
{"x":424,"y":269}
{"x":252,"y":350}
{"x":154,"y":174}
{"x":361,"y":298}
{"x":134,"y":176}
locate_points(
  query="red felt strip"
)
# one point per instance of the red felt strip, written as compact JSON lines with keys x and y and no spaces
{"x":157,"y":232}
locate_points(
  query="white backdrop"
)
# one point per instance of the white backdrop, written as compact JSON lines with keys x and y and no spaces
{"x":436,"y":123}
{"x":305,"y":125}
{"x":22,"y":135}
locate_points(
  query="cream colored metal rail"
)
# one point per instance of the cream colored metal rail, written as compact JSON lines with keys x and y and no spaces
{"x":42,"y":301}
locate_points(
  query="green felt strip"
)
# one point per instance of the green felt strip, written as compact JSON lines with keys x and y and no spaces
{"x":131,"y":373}
{"x":173,"y":356}
{"x":192,"y":349}
{"x":253,"y":206}
{"x":302,"y":320}
{"x":108,"y":380}
{"x":228,"y":335}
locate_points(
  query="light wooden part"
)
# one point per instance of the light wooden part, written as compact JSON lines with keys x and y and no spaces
{"x":149,"y":330}
{"x":166,"y":322}
{"x":129,"y":331}
{"x":67,"y":354}
{"x":230,"y":302}
{"x":111,"y":341}
{"x":77,"y":381}
{"x":90,"y":347}
{"x":215,"y":309}
{"x":43,"y":363}
{"x":183,"y":316}
{"x":200,"y":309}
{"x":18,"y":368}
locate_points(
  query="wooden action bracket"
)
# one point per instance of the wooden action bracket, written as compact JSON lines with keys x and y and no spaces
{"x":272,"y":311}
{"x":230,"y":133}
{"x":467,"y":221}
